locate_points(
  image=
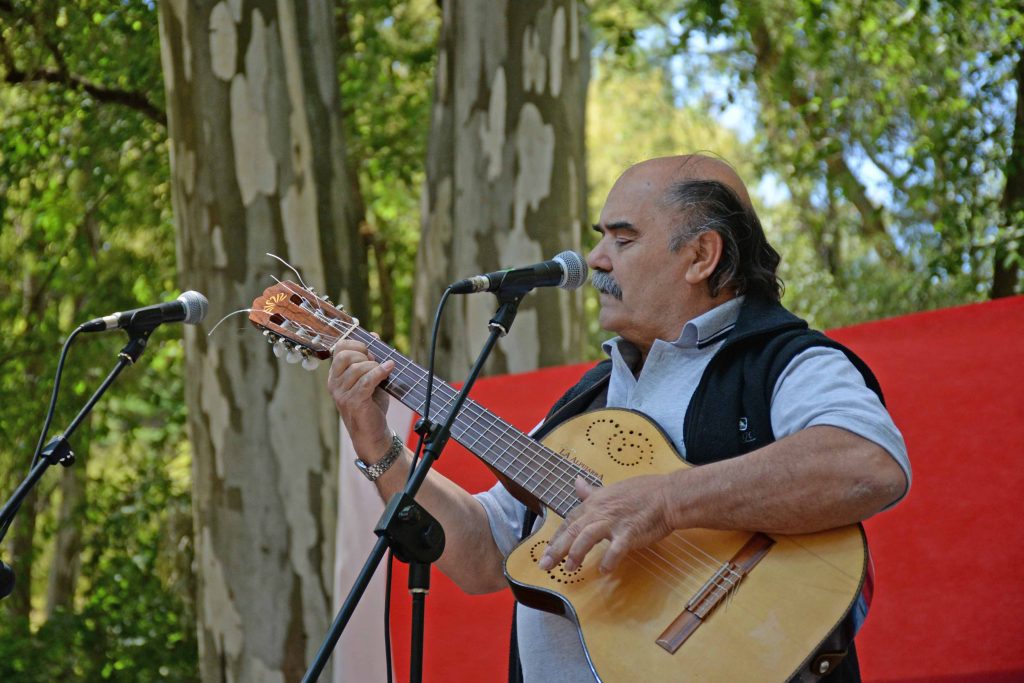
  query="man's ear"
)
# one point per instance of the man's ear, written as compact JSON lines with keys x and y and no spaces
{"x":707,"y":252}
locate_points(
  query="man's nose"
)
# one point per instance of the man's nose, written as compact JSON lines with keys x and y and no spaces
{"x":597,"y":259}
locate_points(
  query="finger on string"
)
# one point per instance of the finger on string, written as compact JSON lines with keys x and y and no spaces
{"x":558,"y":546}
{"x":584,"y":543}
{"x":613,"y":556}
{"x":583,"y":488}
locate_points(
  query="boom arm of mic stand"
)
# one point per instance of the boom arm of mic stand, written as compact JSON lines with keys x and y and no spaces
{"x":403,"y":502}
{"x":58,"y":449}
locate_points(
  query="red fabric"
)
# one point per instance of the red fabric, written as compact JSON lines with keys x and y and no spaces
{"x":948,"y":600}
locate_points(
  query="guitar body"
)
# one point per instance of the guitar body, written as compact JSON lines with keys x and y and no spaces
{"x":765,"y":629}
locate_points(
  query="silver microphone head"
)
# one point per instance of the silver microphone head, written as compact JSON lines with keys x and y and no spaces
{"x":575,"y":269}
{"x":196,"y":306}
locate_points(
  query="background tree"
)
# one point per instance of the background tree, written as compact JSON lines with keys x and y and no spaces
{"x":387,"y":54}
{"x":887,"y":124}
{"x":883,"y":142}
{"x":259,"y":165}
{"x":506,"y":174}
{"x":82,"y":156}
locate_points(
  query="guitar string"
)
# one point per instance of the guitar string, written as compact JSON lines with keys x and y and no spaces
{"x":727,"y":577}
{"x":669,"y":544}
{"x":681,"y":555}
{"x":649,"y":552}
{"x":567,"y":490}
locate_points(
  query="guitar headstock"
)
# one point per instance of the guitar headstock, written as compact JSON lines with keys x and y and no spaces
{"x":301,"y":325}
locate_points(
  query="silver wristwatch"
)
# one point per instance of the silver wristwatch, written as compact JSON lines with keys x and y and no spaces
{"x":373,"y":472}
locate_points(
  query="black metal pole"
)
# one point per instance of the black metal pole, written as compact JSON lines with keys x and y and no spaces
{"x":419,"y":586}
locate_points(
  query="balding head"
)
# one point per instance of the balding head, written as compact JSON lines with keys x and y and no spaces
{"x":702,"y":194}
{"x":664,"y":172}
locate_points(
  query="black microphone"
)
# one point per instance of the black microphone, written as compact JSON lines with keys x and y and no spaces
{"x":566,"y":270}
{"x":189,"y":308}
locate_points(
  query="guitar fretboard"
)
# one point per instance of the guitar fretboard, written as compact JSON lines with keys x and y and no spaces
{"x":545,"y":474}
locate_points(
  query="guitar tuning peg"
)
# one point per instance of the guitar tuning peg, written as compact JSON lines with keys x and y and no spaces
{"x":310,"y":363}
{"x":279,"y":348}
{"x":293,"y":356}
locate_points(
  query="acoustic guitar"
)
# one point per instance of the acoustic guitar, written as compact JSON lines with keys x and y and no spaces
{"x":699,"y":605}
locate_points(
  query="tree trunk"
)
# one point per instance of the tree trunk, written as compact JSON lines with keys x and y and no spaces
{"x":506,"y":178}
{"x":258,"y":164}
{"x":1007,"y":265}
{"x":21,"y":558}
{"x":67,"y":547}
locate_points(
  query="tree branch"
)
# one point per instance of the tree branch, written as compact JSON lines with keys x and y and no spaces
{"x":127,"y":98}
{"x":61,"y":76}
{"x":897,"y":179}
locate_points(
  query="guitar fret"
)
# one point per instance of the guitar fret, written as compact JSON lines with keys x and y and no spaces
{"x":546,"y":474}
{"x":536,"y":468}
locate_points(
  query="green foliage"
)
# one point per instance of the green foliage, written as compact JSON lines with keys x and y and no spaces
{"x":888,"y":124}
{"x":387,"y":54}
{"x":85,"y":229}
{"x":132,"y":621}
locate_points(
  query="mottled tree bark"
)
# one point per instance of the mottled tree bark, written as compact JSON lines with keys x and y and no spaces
{"x":258,"y":165}
{"x":505,"y":175}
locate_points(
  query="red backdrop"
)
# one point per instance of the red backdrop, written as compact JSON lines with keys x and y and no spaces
{"x":949,"y":602}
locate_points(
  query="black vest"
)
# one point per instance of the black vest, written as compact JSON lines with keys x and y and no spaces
{"x":730,"y":411}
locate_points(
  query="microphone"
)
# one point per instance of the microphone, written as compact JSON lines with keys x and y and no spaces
{"x":566,"y":270}
{"x":189,"y":308}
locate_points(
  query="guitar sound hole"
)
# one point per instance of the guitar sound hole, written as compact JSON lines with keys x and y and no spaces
{"x":558,"y":573}
{"x":625,"y":449}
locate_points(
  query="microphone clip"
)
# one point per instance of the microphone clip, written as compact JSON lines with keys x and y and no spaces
{"x":138,"y":337}
{"x":58,"y":452}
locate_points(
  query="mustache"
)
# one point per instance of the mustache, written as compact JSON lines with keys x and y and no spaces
{"x":606,"y":284}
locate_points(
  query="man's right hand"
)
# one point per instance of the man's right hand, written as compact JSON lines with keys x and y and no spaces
{"x":354,"y":383}
{"x":471,"y":558}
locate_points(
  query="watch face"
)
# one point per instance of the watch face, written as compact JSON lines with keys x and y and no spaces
{"x":364,"y":468}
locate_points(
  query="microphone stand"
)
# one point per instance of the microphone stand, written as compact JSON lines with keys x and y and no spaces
{"x":58,"y":450}
{"x":413,"y":535}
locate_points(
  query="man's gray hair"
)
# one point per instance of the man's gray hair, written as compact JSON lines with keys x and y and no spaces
{"x":749,"y":263}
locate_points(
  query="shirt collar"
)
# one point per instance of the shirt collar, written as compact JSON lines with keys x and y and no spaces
{"x":707,"y":328}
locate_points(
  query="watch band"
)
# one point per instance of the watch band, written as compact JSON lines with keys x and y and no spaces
{"x":374,"y":471}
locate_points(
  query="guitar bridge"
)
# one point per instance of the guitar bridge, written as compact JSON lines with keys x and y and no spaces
{"x":714,"y":590}
{"x":721,"y":584}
